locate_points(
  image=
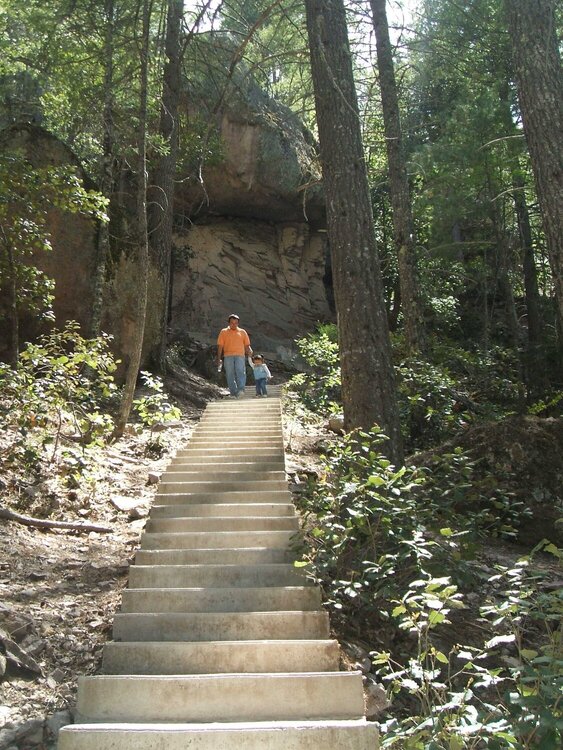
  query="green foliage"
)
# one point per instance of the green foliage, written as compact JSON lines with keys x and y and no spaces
{"x":155,"y":407}
{"x":368,"y":536}
{"x":319,"y":387}
{"x":502,"y":694}
{"x":379,"y":540}
{"x":437,"y":397}
{"x":55,"y":397}
{"x":474,"y":502}
{"x":427,"y":403}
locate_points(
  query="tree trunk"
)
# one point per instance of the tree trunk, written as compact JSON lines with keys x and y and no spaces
{"x":368,"y":390}
{"x":13,"y":313}
{"x":106,"y":182}
{"x":532,"y":26}
{"x":535,"y":368}
{"x":161,"y":192}
{"x":403,"y":225}
{"x":141,"y":244}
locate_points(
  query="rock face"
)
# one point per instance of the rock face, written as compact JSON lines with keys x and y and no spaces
{"x":73,"y":236}
{"x":252,"y":239}
{"x":271,"y":274}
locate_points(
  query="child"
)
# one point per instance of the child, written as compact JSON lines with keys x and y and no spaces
{"x":261,"y":373}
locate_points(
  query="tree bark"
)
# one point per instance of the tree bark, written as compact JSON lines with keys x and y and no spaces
{"x":43,"y":523}
{"x":141,"y":244}
{"x":368,"y":389}
{"x":13,"y":313}
{"x":535,"y":366}
{"x":537,"y":65}
{"x":161,"y":191}
{"x":403,"y":224}
{"x":106,"y":182}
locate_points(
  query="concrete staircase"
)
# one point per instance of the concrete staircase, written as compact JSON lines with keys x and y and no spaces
{"x":221,"y":643}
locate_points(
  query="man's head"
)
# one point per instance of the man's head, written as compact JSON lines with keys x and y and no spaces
{"x":233,"y":320}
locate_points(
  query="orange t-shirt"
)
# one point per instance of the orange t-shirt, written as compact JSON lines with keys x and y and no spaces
{"x":233,"y":341}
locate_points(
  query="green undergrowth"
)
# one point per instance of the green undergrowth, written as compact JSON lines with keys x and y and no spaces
{"x":57,"y":408}
{"x":417,"y":561}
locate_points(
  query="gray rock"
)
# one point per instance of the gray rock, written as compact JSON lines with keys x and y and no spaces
{"x":336,"y":423}
{"x":124,"y":503}
{"x":7,"y":738}
{"x":376,"y":700}
{"x":56,"y":721}
{"x":31,"y":731}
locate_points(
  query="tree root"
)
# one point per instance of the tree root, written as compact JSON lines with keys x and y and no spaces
{"x":43,"y":523}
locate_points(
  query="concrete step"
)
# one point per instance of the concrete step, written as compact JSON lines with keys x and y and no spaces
{"x":221,"y":697}
{"x":230,"y":427}
{"x":223,"y":510}
{"x":217,"y":539}
{"x":197,"y":498}
{"x":219,"y":443}
{"x":220,"y":626}
{"x":214,"y":475}
{"x":205,"y":458}
{"x":216,"y":576}
{"x":221,"y":642}
{"x":248,"y":439}
{"x":222,"y":466}
{"x":230,"y":523}
{"x":232,"y":453}
{"x":222,"y":486}
{"x":356,"y":734}
{"x":251,"y":599}
{"x":216,"y":657}
{"x":265,"y":420}
{"x":240,"y":556}
{"x":248,"y":403}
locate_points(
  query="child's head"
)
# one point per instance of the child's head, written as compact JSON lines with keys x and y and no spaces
{"x":258,"y":359}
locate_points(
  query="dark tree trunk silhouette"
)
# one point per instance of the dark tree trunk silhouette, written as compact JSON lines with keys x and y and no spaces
{"x":106,"y":182}
{"x":12,"y":306}
{"x":368,"y":390}
{"x":161,"y":190}
{"x":532,"y":26}
{"x":141,"y":240}
{"x":403,"y":225}
{"x":535,"y":369}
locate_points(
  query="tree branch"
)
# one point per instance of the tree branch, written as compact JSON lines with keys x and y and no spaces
{"x":43,"y":523}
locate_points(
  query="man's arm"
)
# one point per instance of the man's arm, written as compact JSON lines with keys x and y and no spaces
{"x":247,"y":347}
{"x":219,"y":346}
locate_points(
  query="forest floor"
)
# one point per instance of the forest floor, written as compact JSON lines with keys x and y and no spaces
{"x":59,"y":589}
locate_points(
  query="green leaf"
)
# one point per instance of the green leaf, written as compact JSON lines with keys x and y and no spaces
{"x":435,"y":617}
{"x":375,"y":481}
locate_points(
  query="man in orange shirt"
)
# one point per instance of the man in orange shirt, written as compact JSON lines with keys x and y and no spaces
{"x":233,"y":345}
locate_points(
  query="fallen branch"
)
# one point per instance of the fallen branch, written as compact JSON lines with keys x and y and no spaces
{"x":43,"y":523}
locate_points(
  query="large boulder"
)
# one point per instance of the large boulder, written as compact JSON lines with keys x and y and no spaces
{"x":260,"y":161}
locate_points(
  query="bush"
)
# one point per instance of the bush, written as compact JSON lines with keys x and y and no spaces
{"x":57,"y":395}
